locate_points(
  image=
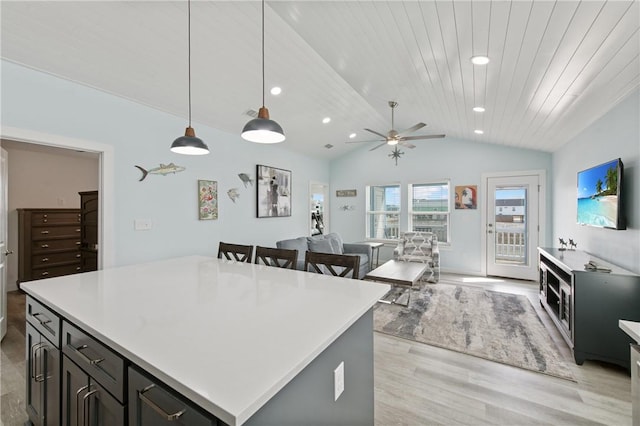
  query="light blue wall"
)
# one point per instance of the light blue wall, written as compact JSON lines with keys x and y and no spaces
{"x":142,"y":136}
{"x":461,"y":161}
{"x":615,"y":135}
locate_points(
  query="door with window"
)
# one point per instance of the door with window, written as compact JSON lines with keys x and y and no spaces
{"x":513,"y":227}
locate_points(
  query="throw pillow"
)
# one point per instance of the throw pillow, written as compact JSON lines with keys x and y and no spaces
{"x":321,"y":246}
{"x":336,"y":242}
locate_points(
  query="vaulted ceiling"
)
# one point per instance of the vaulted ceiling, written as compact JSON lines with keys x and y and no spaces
{"x":555,"y":66}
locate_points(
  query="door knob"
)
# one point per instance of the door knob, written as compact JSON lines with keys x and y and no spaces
{"x":8,"y":252}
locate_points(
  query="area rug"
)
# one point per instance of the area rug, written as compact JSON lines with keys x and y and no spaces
{"x":500,"y":327}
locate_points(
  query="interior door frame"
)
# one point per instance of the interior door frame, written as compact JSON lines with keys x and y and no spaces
{"x":106,"y":230}
{"x":542,"y":208}
{"x":325,"y":207}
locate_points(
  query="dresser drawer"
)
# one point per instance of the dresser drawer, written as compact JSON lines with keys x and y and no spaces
{"x":100,"y":362}
{"x":63,"y":231}
{"x":52,"y":245}
{"x":42,"y":260}
{"x":51,"y":271}
{"x":44,"y":218}
{"x":44,"y":320}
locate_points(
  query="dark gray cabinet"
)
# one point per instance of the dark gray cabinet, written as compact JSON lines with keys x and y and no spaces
{"x":85,"y":402}
{"x":43,"y":365}
{"x":586,"y":305}
{"x":152,"y":403}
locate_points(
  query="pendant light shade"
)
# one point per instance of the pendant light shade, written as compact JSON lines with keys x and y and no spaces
{"x":263,"y":129}
{"x":189,"y":144}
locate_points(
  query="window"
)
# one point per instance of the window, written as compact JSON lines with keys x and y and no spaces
{"x":383,"y":211}
{"x":429,"y":208}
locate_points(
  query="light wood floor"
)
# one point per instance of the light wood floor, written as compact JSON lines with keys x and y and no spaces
{"x":417,"y":384}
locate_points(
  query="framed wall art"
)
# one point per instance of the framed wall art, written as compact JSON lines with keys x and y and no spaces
{"x":466,"y":197}
{"x":207,"y":199}
{"x":273,"y":191}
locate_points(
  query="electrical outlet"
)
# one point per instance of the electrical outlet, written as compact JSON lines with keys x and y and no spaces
{"x":142,"y":224}
{"x":338,"y":381}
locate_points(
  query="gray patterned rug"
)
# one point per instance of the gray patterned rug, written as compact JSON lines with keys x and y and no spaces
{"x":500,"y":327}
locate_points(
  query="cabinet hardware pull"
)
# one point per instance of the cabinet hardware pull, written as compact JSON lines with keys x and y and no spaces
{"x":44,"y":215}
{"x":156,"y":408}
{"x":77,"y":255}
{"x":44,"y":274}
{"x":34,"y":364}
{"x":78,"y":268}
{"x":45,"y":259}
{"x":44,"y":220}
{"x":86,"y":408}
{"x":78,"y":230}
{"x":44,"y":246}
{"x":86,"y":358}
{"x":40,"y":314}
{"x":44,"y":232}
{"x":85,"y":387}
{"x":77,"y":243}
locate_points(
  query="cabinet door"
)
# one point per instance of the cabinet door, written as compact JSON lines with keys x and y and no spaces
{"x":35,"y":392}
{"x":103,"y":409}
{"x":43,"y":379}
{"x":75,"y":384}
{"x":152,"y":404}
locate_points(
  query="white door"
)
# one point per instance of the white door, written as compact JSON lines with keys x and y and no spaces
{"x":513,"y":226}
{"x":3,"y":245}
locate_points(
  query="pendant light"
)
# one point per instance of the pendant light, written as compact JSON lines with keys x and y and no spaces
{"x":189,"y":144}
{"x":262,"y":129}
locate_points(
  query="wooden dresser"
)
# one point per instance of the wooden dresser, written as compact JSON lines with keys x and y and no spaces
{"x":49,"y":243}
{"x":89,"y":231}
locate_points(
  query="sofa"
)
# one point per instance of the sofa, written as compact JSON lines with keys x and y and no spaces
{"x":330,"y":243}
{"x":422,"y":247}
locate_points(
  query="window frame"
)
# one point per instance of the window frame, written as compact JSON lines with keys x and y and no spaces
{"x":369,"y":213}
{"x":411,"y":213}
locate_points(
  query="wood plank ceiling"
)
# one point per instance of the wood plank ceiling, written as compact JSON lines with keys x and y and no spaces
{"x":556,"y":66}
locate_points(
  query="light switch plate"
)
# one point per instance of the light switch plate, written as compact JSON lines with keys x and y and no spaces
{"x":338,"y":381}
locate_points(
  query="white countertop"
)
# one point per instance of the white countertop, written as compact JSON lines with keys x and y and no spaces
{"x":632,"y":328}
{"x":227,"y":335}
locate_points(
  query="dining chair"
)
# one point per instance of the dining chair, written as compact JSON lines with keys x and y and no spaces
{"x":281,"y":258}
{"x":324,"y":263}
{"x":236,"y":252}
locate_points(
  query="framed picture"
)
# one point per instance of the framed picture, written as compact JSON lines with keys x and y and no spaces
{"x":274,"y":191}
{"x":207,"y":199}
{"x":466,"y":197}
{"x":346,"y":193}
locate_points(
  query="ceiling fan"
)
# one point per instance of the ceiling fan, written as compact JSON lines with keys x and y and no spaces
{"x":394,"y":137}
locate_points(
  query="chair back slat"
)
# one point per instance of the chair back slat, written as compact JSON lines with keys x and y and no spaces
{"x":237,"y":252}
{"x":281,"y":258}
{"x":324,"y":263}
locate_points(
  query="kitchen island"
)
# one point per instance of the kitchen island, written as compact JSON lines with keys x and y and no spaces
{"x":238,"y":343}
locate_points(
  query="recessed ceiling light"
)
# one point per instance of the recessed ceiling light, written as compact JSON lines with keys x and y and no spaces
{"x":352,"y":135}
{"x":326,"y":120}
{"x":478,"y":109}
{"x":276,"y":90}
{"x":480,"y":60}
{"x":478,"y":131}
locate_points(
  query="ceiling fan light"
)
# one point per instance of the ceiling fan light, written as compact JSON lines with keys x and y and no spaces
{"x":392,"y":142}
{"x":189,"y":144}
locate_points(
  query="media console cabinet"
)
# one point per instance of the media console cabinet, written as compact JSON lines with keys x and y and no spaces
{"x":587,"y":305}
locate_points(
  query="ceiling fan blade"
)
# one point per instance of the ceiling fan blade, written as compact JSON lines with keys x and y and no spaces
{"x":406,"y":144}
{"x":370,"y":140}
{"x":378,"y":146}
{"x":376,"y":133}
{"x":415,"y":138}
{"x":412,"y":129}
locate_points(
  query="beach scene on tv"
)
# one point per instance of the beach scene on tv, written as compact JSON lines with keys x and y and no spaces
{"x":598,"y":195}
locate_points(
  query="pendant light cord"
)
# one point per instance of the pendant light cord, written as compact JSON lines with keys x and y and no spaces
{"x":263,"y":53}
{"x":189,"y":29}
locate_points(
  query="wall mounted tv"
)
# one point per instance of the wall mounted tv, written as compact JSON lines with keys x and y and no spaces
{"x":600,"y":196}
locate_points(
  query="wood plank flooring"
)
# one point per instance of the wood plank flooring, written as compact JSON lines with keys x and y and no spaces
{"x":417,"y":384}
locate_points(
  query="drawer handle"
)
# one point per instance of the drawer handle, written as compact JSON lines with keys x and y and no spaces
{"x":77,"y":243}
{"x":78,"y":255}
{"x":44,"y":215}
{"x":45,"y":246}
{"x":40,"y":314}
{"x":156,"y":408}
{"x":86,"y":407}
{"x":45,"y":259}
{"x":44,"y":221}
{"x":78,"y":268}
{"x":44,"y":274}
{"x":86,"y":358}
{"x":44,"y":232}
{"x":34,"y":360}
{"x":78,"y":230}
{"x":78,"y":405}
